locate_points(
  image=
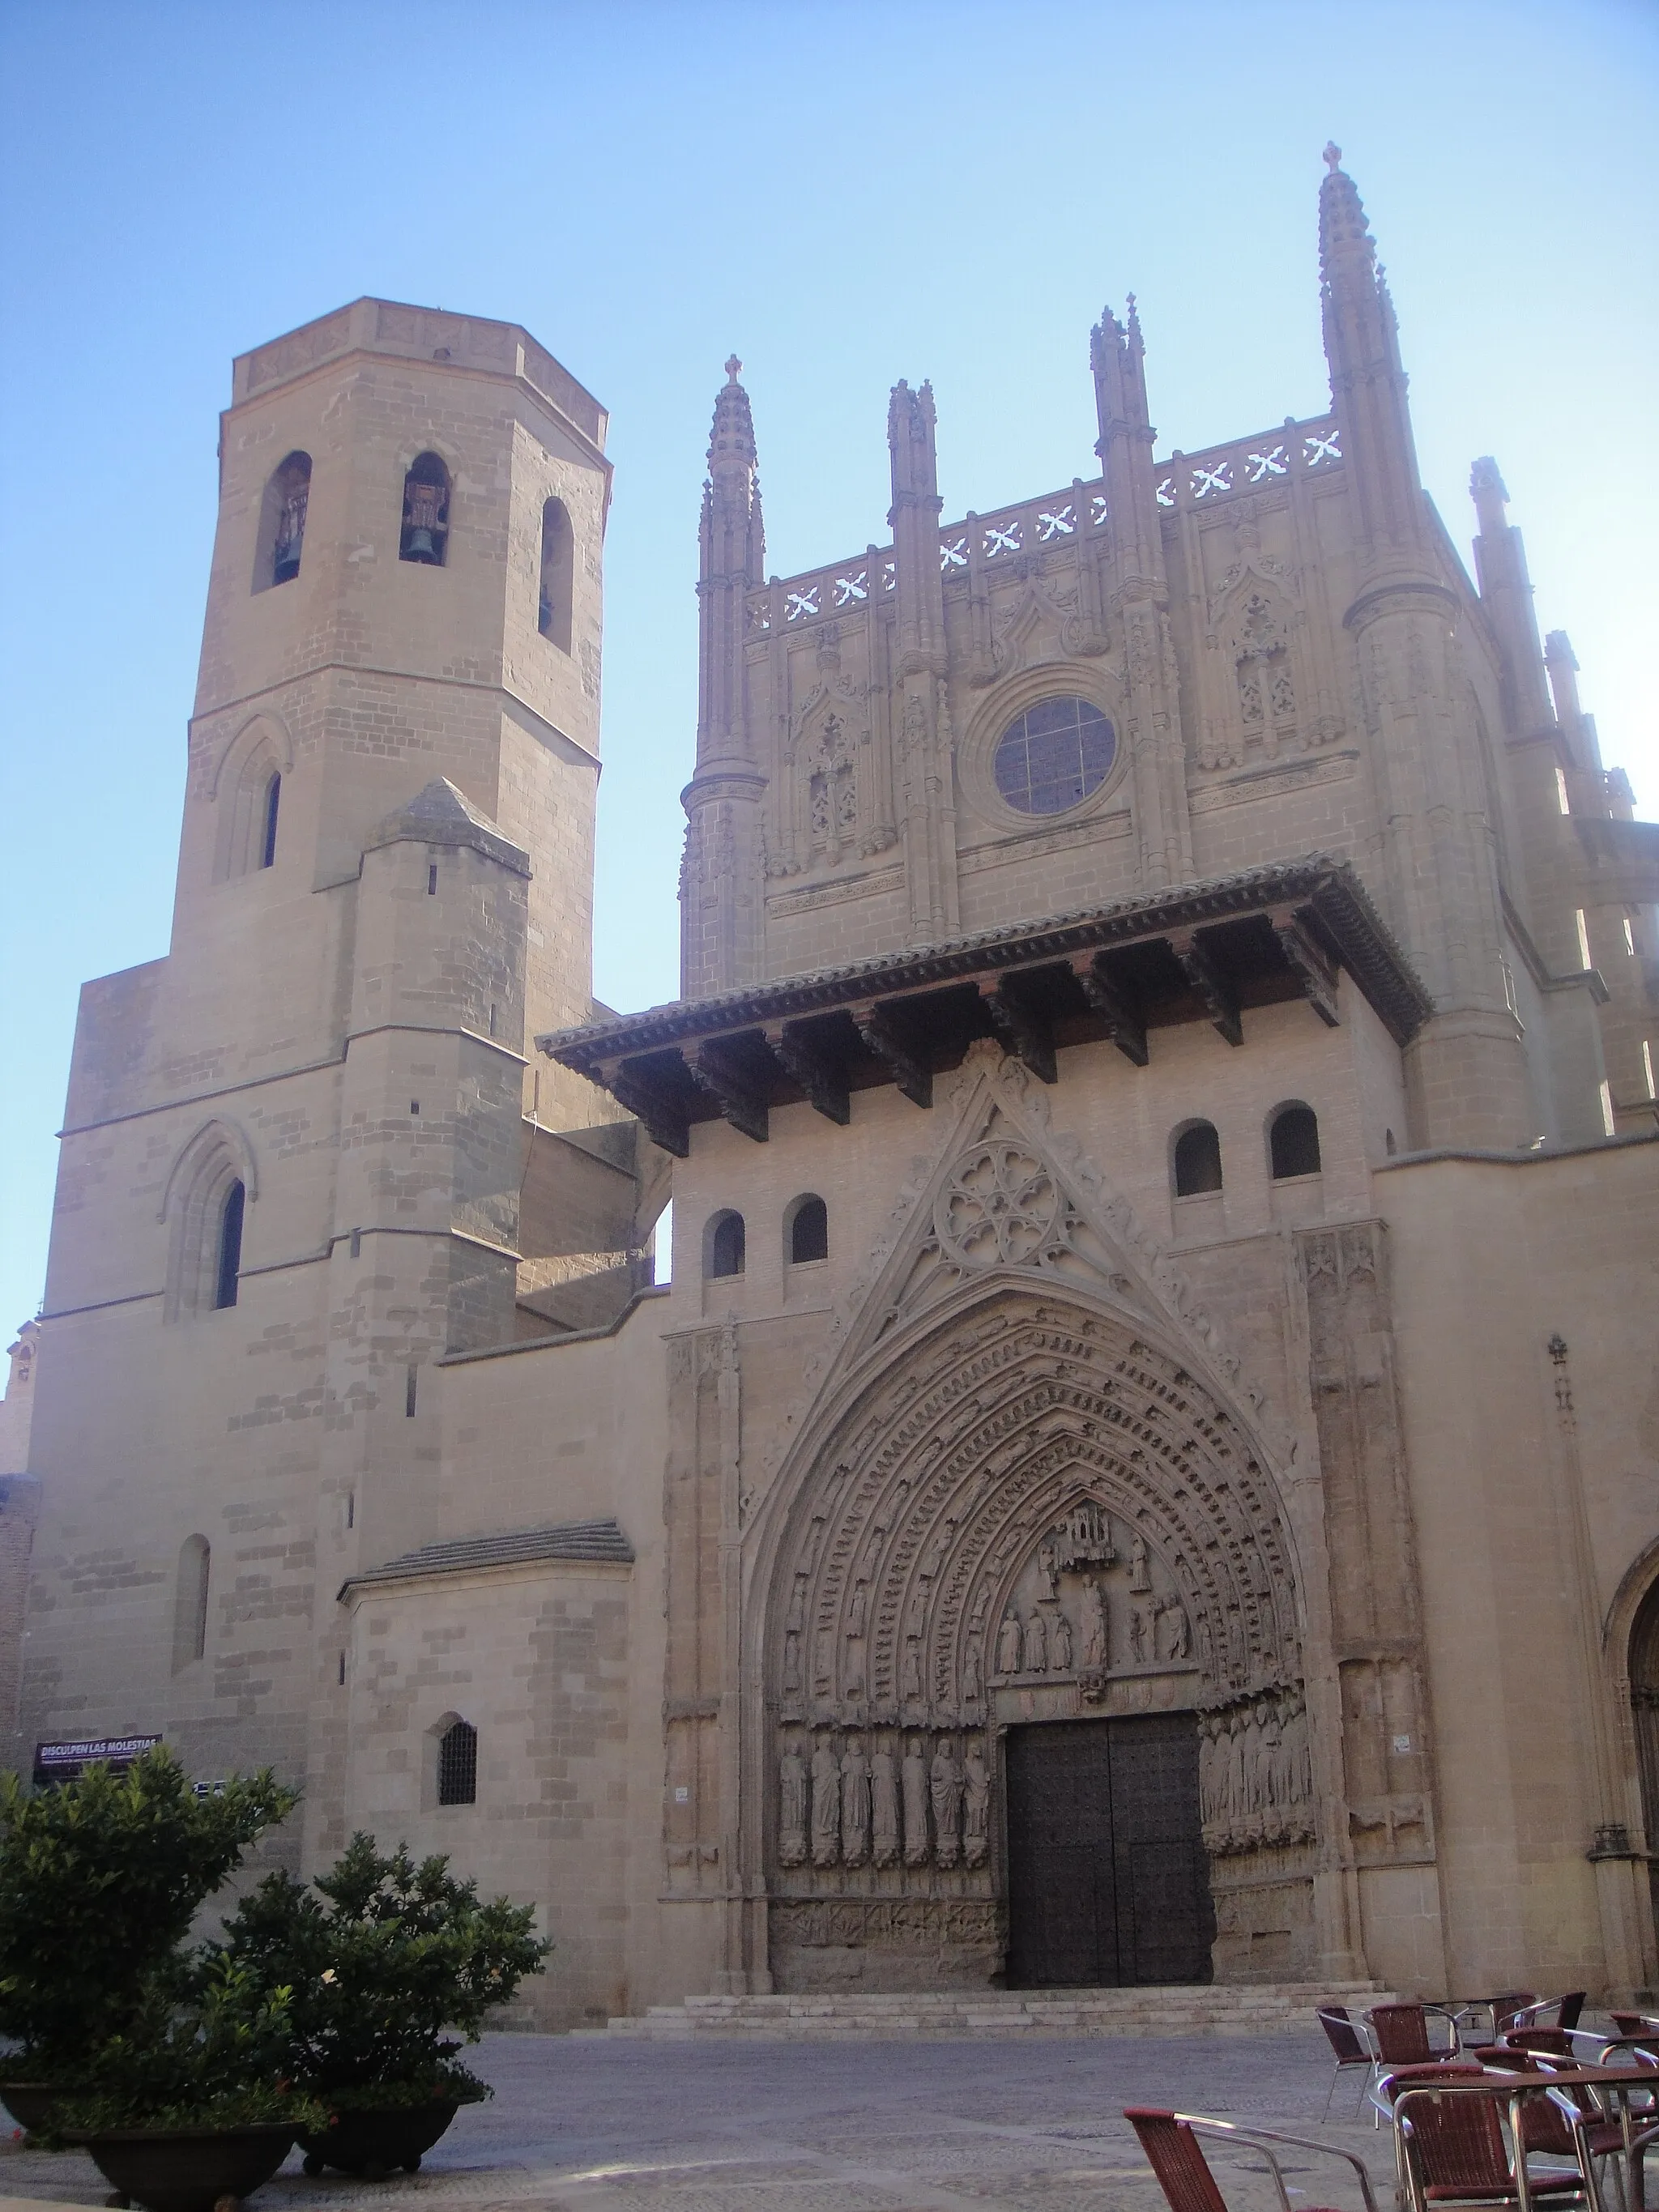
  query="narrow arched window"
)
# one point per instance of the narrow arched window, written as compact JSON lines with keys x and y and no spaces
{"x":1293,"y":1142}
{"x":268,"y":826}
{"x":1197,"y":1160}
{"x":809,"y":1231}
{"x":230,"y":1245}
{"x":190,"y":1601}
{"x":458,"y":1764}
{"x":558,"y":575}
{"x":283,"y":523}
{"x":426,"y":512}
{"x":725,"y":1247}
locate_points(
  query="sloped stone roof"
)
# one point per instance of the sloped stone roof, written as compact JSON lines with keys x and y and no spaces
{"x":598,"y":1540}
{"x":441,"y":815}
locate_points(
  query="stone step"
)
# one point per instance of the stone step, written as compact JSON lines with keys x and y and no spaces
{"x":1247,"y":2009}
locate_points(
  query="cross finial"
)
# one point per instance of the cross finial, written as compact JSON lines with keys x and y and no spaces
{"x":1332,"y":156}
{"x":733,"y":366}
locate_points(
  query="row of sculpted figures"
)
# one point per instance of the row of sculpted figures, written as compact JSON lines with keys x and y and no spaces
{"x":1255,"y":1772}
{"x":867,"y":1805}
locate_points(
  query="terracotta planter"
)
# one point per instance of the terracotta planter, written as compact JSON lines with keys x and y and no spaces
{"x":189,"y":2169}
{"x":375,"y":2144}
{"x":28,"y":2102}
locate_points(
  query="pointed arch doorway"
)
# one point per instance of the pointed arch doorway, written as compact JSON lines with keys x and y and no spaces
{"x":1109,"y":1881}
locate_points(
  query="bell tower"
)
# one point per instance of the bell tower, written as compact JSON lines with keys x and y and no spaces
{"x":405,"y":584}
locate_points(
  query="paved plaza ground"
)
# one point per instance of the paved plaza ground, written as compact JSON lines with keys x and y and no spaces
{"x":915,"y":2126}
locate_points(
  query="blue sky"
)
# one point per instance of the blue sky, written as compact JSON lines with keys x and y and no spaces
{"x":844,"y":194}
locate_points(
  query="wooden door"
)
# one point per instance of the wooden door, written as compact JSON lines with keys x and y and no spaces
{"x":1108,"y":1879}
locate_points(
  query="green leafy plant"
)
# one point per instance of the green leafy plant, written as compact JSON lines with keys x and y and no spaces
{"x":206,"y":2047}
{"x":386,"y":1962}
{"x":99,"y":1879}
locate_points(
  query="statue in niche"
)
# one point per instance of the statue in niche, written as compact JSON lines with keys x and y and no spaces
{"x":1097,"y":1654}
{"x":809,"y":1557}
{"x":1169,"y":1631}
{"x":1139,"y":1580}
{"x":915,"y":1804}
{"x":1235,"y":1801}
{"x":916,"y":1618}
{"x":884,"y":1807}
{"x":853,"y":1681}
{"x":976,"y":1805}
{"x":1277,"y":1792}
{"x":1252,"y":1763}
{"x":973,"y":1672}
{"x":792,"y":1806}
{"x":1036,"y":1645}
{"x":1138,"y":1634}
{"x":858,"y":1610}
{"x":1060,"y":1645}
{"x":944,"y":1789}
{"x":795,"y":1620}
{"x":825,"y":1676}
{"x":1048,"y":1568}
{"x":792,"y":1662}
{"x":1010,"y":1643}
{"x":911,"y":1686}
{"x":1299,"y":1752}
{"x":855,"y":1804}
{"x":826,"y":1804}
{"x":939,"y":1548}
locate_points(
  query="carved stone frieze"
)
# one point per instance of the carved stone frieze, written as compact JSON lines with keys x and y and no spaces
{"x":1255,"y":1773}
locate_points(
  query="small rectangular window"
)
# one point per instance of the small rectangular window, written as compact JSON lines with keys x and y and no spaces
{"x":432,"y":880}
{"x":414,"y":1103}
{"x":1561,"y":791}
{"x":1608,"y":1124}
{"x":351,"y":1509}
{"x":1647,"y":1064}
{"x":343,"y":1667}
{"x":1584,"y":960}
{"x":356,"y":1244}
{"x":1630,"y":937}
{"x":409,"y":1393}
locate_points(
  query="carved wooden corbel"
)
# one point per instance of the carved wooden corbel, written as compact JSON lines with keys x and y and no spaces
{"x":1220,"y":999}
{"x":820,"y":1076}
{"x":895,"y":1051}
{"x":1124,"y":1025}
{"x":732,"y":1089}
{"x":666,"y":1122}
{"x":1311,"y":965}
{"x":1025,"y":1029}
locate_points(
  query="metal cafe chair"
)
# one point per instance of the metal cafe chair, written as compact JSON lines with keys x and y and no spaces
{"x":1349,"y":2048}
{"x":1401,"y":2035}
{"x":1170,"y":2141}
{"x":1453,"y":2151}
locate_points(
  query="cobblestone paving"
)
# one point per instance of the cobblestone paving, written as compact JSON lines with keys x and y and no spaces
{"x":908,"y":2126}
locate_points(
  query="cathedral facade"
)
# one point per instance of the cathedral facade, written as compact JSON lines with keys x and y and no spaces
{"x":1144,"y":1468}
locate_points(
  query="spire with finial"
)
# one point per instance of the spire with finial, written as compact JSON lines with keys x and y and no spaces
{"x":1368,"y":381}
{"x":732,"y":562}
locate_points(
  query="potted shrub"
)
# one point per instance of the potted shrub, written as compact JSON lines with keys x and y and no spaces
{"x":386,"y":1962}
{"x":192,"y":2105}
{"x":99,"y":1879}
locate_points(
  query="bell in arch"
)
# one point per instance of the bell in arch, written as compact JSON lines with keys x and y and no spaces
{"x":426,"y":502}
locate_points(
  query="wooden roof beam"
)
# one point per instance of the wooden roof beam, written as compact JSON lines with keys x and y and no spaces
{"x":1215,"y":990}
{"x":805,"y":1057}
{"x":1121,"y":1017}
{"x":1309,"y":963}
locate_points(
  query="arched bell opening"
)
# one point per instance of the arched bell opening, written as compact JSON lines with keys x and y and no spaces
{"x":1030,"y":1520}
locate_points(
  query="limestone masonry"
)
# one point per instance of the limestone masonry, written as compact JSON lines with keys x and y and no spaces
{"x":1147,"y":1469}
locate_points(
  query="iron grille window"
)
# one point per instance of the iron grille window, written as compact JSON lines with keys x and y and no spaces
{"x":458,"y":1764}
{"x":1055,"y":755}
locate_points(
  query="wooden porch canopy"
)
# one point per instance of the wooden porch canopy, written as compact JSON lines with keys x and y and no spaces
{"x":1206,"y":952}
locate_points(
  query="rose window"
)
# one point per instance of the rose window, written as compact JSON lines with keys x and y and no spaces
{"x":1055,"y":755}
{"x":1001,"y":1204}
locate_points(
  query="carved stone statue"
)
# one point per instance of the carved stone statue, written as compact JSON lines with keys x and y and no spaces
{"x":915,"y":1804}
{"x":1036,"y":1645}
{"x":1010,"y":1644}
{"x":1060,"y":1645}
{"x":858,"y":1609}
{"x":884,"y":1807}
{"x":826,"y":1805}
{"x":1138,"y":1634}
{"x":855,"y":1804}
{"x":792,"y":1662}
{"x":945,"y":1791}
{"x":1140,"y":1581}
{"x":911,"y":1686}
{"x":973,"y":1674}
{"x":916,"y":1618}
{"x":795,"y":1620}
{"x":977,"y":1804}
{"x":1097,"y":1654}
{"x":792,"y":1807}
{"x":1180,"y":1635}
